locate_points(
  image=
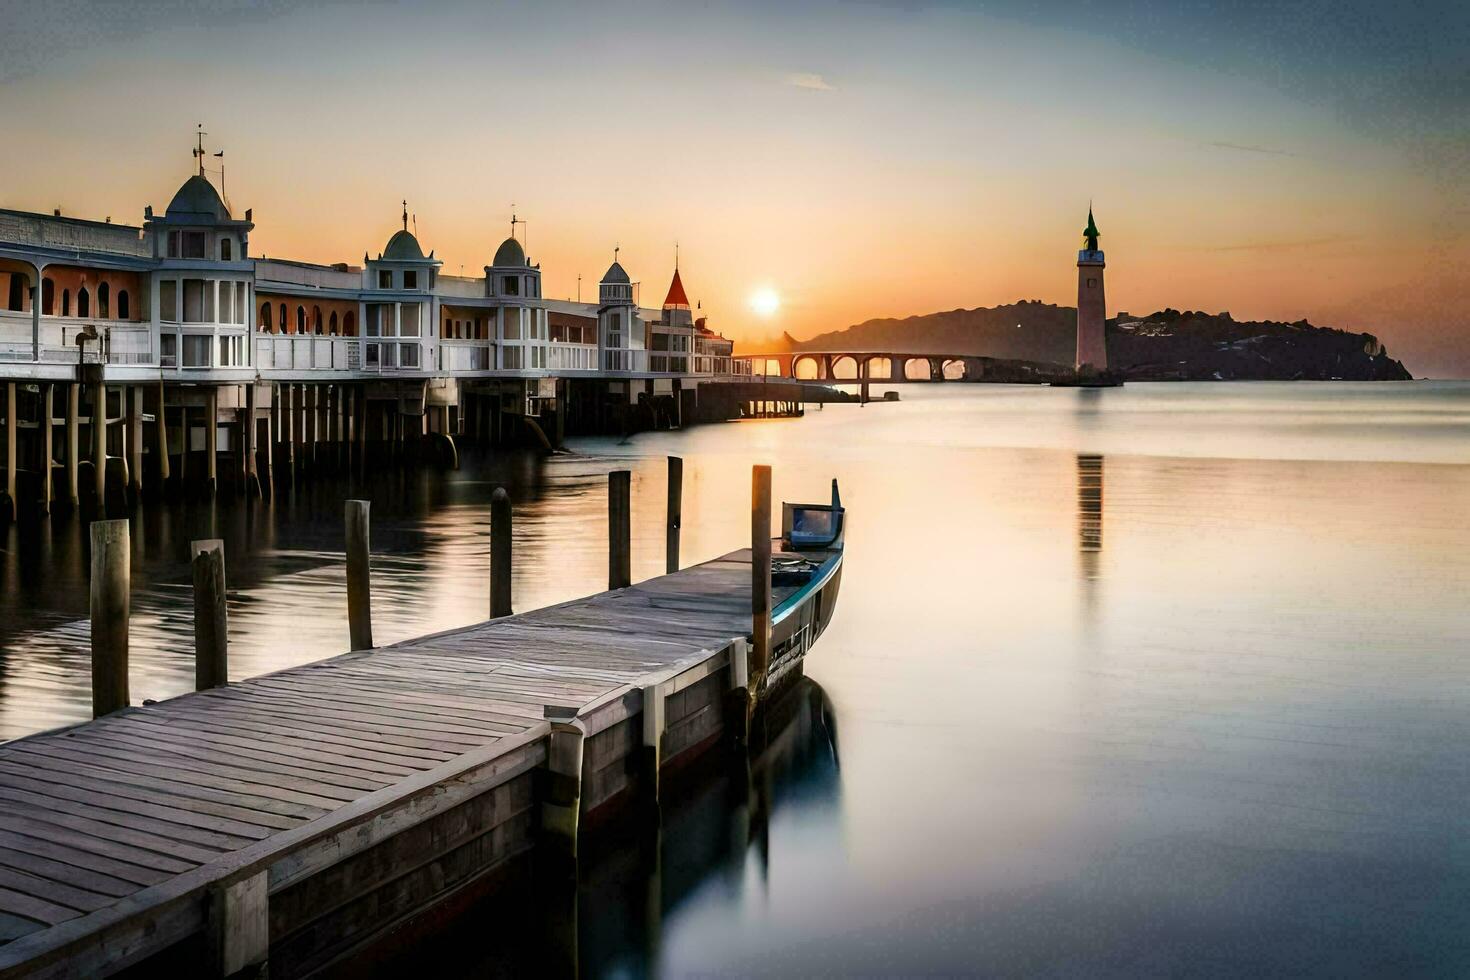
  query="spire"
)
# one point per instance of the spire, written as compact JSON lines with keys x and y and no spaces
{"x":677,"y":298}
{"x":1090,"y":233}
{"x":405,"y":215}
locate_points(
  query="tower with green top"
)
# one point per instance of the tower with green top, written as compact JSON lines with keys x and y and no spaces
{"x":1092,"y":307}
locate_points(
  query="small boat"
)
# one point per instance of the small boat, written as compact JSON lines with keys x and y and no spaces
{"x":806,"y":572}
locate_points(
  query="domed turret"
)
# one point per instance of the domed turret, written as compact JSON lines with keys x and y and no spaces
{"x":403,"y":247}
{"x":198,"y":201}
{"x":616,"y":274}
{"x":509,"y":254}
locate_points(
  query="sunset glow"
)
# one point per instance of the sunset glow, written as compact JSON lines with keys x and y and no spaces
{"x":764,"y":302}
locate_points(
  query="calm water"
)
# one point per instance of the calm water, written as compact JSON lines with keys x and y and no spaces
{"x":1167,"y":679}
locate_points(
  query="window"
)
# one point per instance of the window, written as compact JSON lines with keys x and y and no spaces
{"x":242,"y":304}
{"x":66,"y":302}
{"x":224,"y":249}
{"x":282,"y":320}
{"x":173,"y":244}
{"x":17,"y":292}
{"x":265,"y":317}
{"x":432,"y":278}
{"x":332,"y":327}
{"x":193,"y":244}
{"x":230,"y":351}
{"x":512,"y":323}
{"x":196,"y":351}
{"x":1091,"y":283}
{"x":122,"y":305}
{"x":168,"y":350}
{"x":408,"y":320}
{"x":316,"y":319}
{"x":510,"y":358}
{"x":385,"y":279}
{"x":301,"y":319}
{"x":510,"y":285}
{"x":48,"y":297}
{"x":84,"y":302}
{"x":198,"y":302}
{"x":168,"y":300}
{"x":103,"y":296}
{"x":410,"y":279}
{"x":349,"y":324}
{"x":226,"y":302}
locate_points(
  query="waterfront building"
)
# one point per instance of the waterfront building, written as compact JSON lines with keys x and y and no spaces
{"x":1092,"y":307}
{"x":181,"y":298}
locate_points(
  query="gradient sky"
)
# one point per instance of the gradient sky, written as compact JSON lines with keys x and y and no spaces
{"x":1278,"y":160}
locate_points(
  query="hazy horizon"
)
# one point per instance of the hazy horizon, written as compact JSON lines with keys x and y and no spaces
{"x":853,"y":160}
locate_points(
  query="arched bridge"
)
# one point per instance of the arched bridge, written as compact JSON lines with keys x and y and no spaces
{"x":892,"y":367}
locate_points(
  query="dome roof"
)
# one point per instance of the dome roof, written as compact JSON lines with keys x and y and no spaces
{"x":509,"y":253}
{"x":403,"y":247}
{"x":198,"y":197}
{"x":616,"y":274}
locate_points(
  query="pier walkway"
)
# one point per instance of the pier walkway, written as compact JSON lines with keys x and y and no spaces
{"x":299,"y":813}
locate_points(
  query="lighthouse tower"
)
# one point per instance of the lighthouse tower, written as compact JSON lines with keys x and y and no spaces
{"x":1092,"y":307}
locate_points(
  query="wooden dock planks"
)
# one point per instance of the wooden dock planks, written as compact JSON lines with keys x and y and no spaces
{"x":110,"y":831}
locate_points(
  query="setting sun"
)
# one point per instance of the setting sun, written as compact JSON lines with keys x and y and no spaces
{"x":765,"y":302}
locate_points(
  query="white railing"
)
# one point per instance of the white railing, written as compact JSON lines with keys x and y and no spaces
{"x":466,"y":355}
{"x":308,"y":352}
{"x":116,"y":342}
{"x":571,"y":357}
{"x":619,"y":360}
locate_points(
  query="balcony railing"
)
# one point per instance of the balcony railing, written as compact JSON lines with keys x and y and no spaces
{"x":571,"y":357}
{"x":466,"y":355}
{"x":116,"y":341}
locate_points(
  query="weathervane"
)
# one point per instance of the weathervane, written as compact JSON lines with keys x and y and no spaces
{"x":199,"y":147}
{"x":405,"y":214}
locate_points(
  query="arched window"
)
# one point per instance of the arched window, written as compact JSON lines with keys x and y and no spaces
{"x":48,"y":296}
{"x":102,"y":298}
{"x":332,"y":326}
{"x":282,"y":321}
{"x":316,"y":319}
{"x":301,"y":319}
{"x":265,"y":317}
{"x":84,"y":302}
{"x":224,"y":250}
{"x":66,"y":302}
{"x":122,"y":304}
{"x":17,"y":298}
{"x":349,"y":324}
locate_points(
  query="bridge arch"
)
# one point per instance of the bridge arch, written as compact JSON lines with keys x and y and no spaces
{"x":808,"y":367}
{"x":955,"y":369}
{"x":845,"y":367}
{"x":880,"y":367}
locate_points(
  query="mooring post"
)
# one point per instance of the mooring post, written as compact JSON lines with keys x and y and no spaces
{"x":675,"y":513}
{"x":561,"y":809}
{"x":500,"y":540}
{"x":359,"y":591}
{"x":654,"y":723}
{"x":211,"y":637}
{"x":619,"y":530}
{"x":760,"y":576}
{"x":109,"y":594}
{"x":12,"y":429}
{"x":737,"y":693}
{"x":238,"y":926}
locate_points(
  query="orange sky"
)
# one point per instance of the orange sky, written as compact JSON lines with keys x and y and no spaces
{"x":858,"y":159}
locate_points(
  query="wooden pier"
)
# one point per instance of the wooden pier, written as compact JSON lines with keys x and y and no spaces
{"x":289,"y":819}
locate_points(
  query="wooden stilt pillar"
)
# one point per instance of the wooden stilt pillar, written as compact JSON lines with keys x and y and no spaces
{"x":73,"y":441}
{"x":109,"y":600}
{"x":252,"y":472}
{"x":47,"y":448}
{"x":288,"y":419}
{"x":211,"y":438}
{"x":359,"y":587}
{"x":162,"y":436}
{"x":760,"y":575}
{"x":619,"y":530}
{"x":134,"y":396}
{"x":99,"y":444}
{"x":12,"y":430}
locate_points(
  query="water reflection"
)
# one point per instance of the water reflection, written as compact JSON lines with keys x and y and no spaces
{"x":1089,"y":514}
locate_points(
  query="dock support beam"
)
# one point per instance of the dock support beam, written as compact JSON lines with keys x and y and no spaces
{"x":48,"y":449}
{"x":737,"y":695}
{"x":561,"y":809}
{"x":675,"y":513}
{"x":239,"y":927}
{"x":109,"y":596}
{"x":12,"y":431}
{"x":134,"y":396}
{"x":619,"y":530}
{"x":163,"y":437}
{"x":760,"y":576}
{"x":500,"y":555}
{"x":252,"y":465}
{"x":211,"y":438}
{"x":654,"y":724}
{"x":359,"y":589}
{"x":211,"y":634}
{"x":73,"y":441}
{"x":99,"y":444}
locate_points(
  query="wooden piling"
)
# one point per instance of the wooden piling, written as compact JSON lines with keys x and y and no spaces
{"x":47,"y":446}
{"x":99,"y":444}
{"x":211,"y":438}
{"x":211,"y":638}
{"x":619,"y":530}
{"x":675,"y":513}
{"x":109,"y":597}
{"x":252,"y":471}
{"x":238,"y":927}
{"x":562,"y":804}
{"x":12,"y":429}
{"x":760,"y":574}
{"x":162,"y":437}
{"x":500,"y":555}
{"x":651,"y":755}
{"x":73,"y":441}
{"x":359,"y":590}
{"x":134,"y":395}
